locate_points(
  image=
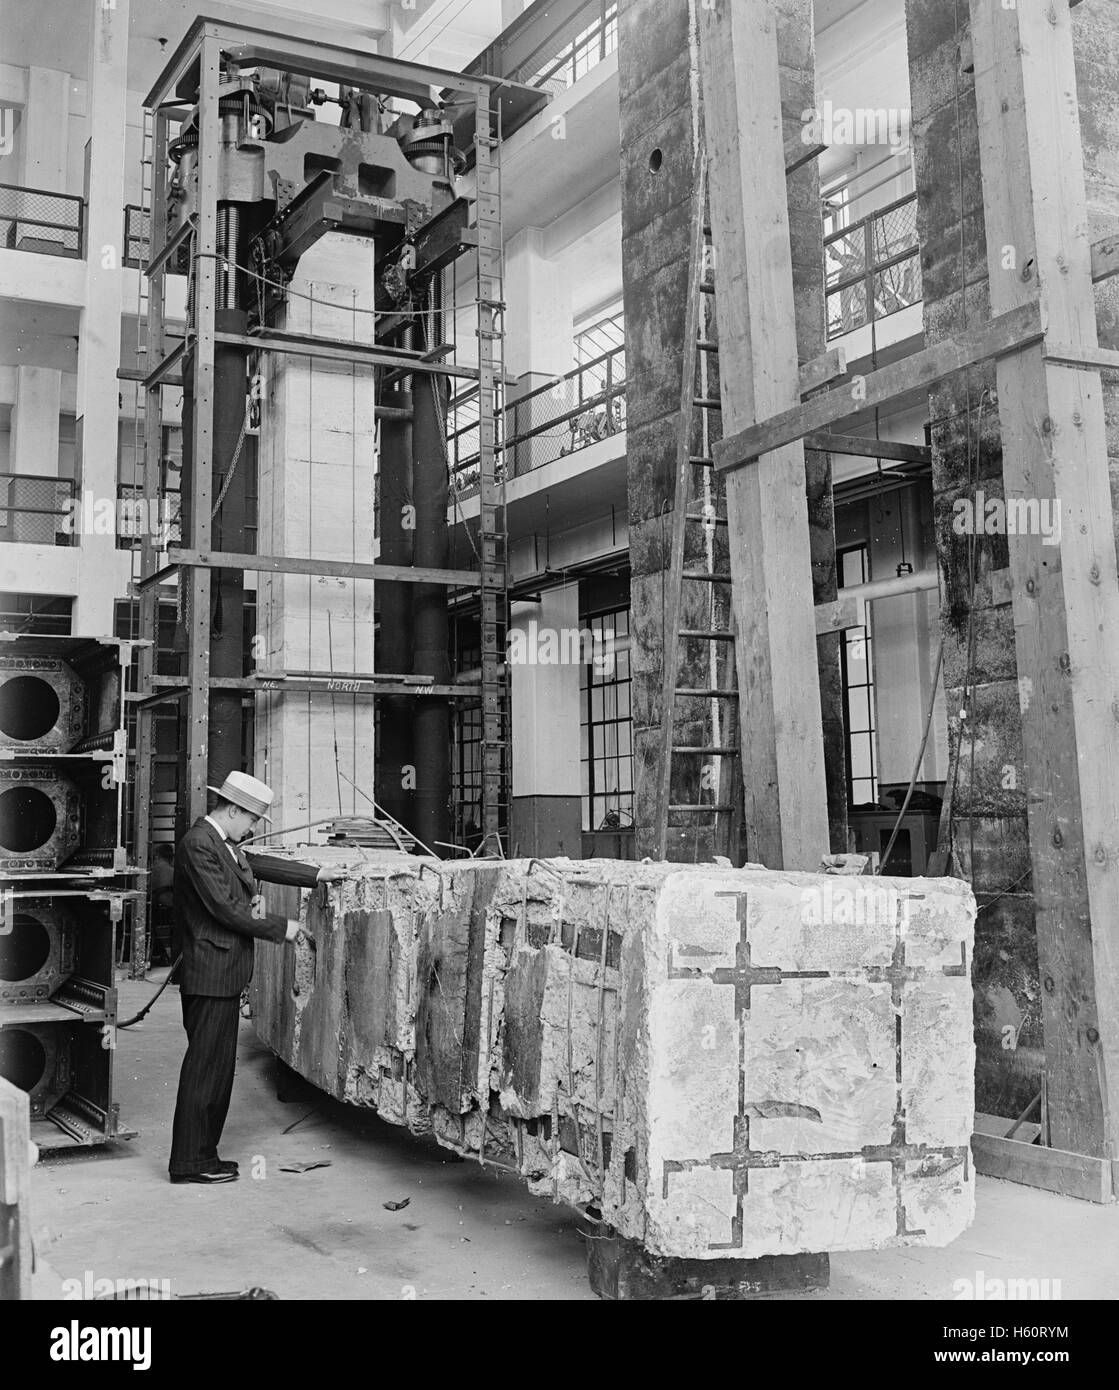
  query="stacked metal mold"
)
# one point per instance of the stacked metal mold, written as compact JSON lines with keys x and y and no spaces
{"x":65,"y":875}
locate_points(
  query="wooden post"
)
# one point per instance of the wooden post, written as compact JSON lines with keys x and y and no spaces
{"x":786,"y":816}
{"x":1066,"y":596}
{"x":15,"y":1168}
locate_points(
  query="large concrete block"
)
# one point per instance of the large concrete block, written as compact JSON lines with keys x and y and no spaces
{"x":800,"y":1083}
{"x":725,"y":1063}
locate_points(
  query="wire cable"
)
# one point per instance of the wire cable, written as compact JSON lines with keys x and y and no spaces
{"x":285,"y":289}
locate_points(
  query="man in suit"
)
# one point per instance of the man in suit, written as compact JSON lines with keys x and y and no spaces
{"x":220,"y":917}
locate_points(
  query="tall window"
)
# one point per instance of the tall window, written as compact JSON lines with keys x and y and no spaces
{"x":590,"y":46}
{"x":858,"y":686}
{"x":607,"y":732}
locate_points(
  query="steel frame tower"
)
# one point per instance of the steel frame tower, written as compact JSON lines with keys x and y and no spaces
{"x":486,"y":106}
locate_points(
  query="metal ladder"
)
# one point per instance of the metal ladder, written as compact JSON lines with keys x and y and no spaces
{"x":692,"y":825}
{"x":142,"y":292}
{"x":144,"y":609}
{"x":492,"y":510}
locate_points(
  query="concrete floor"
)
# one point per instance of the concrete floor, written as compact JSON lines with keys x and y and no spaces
{"x":467,"y":1232}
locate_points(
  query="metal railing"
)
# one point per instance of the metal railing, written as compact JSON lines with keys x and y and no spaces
{"x":552,"y":45}
{"x":163,"y":521}
{"x":557,"y":419}
{"x":137,"y":235}
{"x":50,"y":224}
{"x":133,"y":521}
{"x":573,"y":412}
{"x":38,"y":509}
{"x":872,"y":268}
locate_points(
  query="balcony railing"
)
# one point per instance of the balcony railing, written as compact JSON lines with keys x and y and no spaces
{"x":37,"y":509}
{"x":873,"y":268}
{"x":577,"y":410}
{"x":552,"y":45}
{"x":557,"y":419}
{"x":34,"y":220}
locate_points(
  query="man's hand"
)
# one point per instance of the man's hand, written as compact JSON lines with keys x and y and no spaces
{"x":331,"y":873}
{"x":294,"y":931}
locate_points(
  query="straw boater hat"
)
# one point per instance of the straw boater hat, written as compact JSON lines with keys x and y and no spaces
{"x":246,"y":792}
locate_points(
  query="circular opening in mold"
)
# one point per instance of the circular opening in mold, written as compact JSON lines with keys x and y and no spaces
{"x":23,"y":1058}
{"x":656,"y":159}
{"x":27,"y":819}
{"x":29,"y":708}
{"x":25,"y":949}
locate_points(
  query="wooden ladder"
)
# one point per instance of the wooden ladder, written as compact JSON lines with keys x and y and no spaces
{"x":699,"y":804}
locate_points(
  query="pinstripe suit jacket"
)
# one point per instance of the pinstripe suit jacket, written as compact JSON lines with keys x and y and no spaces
{"x":213,"y":909}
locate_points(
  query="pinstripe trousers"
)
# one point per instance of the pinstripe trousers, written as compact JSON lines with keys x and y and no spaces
{"x":206,"y":1080}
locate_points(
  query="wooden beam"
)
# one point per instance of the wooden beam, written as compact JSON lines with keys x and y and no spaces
{"x":837,"y":617}
{"x":136,"y":374}
{"x":161,"y":372}
{"x":797,"y":154}
{"x":1095,"y":359}
{"x":339,"y":350}
{"x":861,"y":447}
{"x":1053,"y":1170}
{"x":171,"y":687}
{"x":786,"y":802}
{"x":343,"y":569}
{"x":1007,"y":333}
{"x":1065,"y":602}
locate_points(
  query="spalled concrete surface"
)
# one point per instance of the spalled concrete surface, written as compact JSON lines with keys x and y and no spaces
{"x":466,"y":1233}
{"x":725,"y":1063}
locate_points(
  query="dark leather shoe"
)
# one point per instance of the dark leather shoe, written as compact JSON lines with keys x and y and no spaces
{"x":208,"y":1179}
{"x":227,"y":1165}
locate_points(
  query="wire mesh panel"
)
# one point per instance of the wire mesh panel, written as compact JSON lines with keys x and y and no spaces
{"x":37,"y":510}
{"x":137,"y":235}
{"x":47,"y":223}
{"x":573,"y":412}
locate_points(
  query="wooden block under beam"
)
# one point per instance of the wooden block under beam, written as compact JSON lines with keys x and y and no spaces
{"x":621,"y":1270}
{"x":823,"y":369}
{"x":1007,"y":333}
{"x":861,"y":447}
